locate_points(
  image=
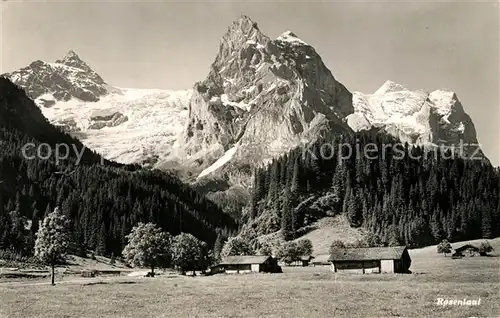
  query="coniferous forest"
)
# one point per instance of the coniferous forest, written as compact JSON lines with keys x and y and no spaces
{"x":401,"y":200}
{"x":415,"y":202}
{"x":103,"y":201}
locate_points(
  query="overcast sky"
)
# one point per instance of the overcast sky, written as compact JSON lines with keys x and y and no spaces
{"x":428,"y":45}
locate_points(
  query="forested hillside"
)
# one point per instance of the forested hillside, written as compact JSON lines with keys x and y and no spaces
{"x":401,"y":200}
{"x":103,"y":201}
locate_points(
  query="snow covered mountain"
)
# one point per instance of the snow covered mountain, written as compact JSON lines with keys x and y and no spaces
{"x":417,"y":117}
{"x":125,"y":125}
{"x":65,"y":79}
{"x":129,"y":126}
{"x":261,"y":98}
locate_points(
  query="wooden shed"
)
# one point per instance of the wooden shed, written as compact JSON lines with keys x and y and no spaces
{"x":466,"y":250}
{"x":305,"y":260}
{"x":371,"y":260}
{"x":321,"y":259}
{"x":248,"y":264}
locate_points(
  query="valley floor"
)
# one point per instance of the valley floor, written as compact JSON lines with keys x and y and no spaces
{"x":299,"y":292}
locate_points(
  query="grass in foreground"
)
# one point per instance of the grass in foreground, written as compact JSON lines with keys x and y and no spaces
{"x":299,"y":292}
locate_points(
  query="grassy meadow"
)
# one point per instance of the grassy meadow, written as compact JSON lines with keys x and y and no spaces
{"x":298,"y":292}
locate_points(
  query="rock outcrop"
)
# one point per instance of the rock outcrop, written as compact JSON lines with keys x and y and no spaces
{"x":264,"y":97}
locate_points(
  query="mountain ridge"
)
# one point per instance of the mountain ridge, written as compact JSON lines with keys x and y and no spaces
{"x":261,"y":98}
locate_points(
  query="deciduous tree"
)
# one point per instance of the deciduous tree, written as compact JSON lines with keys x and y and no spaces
{"x":148,"y":246}
{"x":187,"y":252}
{"x":305,"y":247}
{"x":236,"y":246}
{"x":337,"y":244}
{"x":288,"y":252}
{"x":52,"y":239}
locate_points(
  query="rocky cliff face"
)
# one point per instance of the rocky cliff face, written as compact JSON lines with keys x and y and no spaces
{"x":417,"y":117}
{"x":263,"y":97}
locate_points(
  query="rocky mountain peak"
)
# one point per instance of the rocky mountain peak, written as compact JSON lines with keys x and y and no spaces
{"x":263,"y":97}
{"x":388,"y":87}
{"x":66,"y":78}
{"x":72,"y":59}
{"x":289,"y":36}
{"x":71,"y":55}
{"x":243,"y":25}
{"x":240,"y":34}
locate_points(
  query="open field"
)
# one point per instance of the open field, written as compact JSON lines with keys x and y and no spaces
{"x":299,"y":292}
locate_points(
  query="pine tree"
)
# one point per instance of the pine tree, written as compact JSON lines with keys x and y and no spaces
{"x":287,"y":218}
{"x":338,"y":189}
{"x":35,"y":219}
{"x":273,"y":185}
{"x":354,"y":209}
{"x":80,"y":242}
{"x":48,"y":210}
{"x":5,"y":226}
{"x":295,"y":186}
{"x":253,"y":206}
{"x":101,"y":245}
{"x":219,"y":244}
{"x":436,"y":227}
{"x":496,"y":218}
{"x":486,"y":224}
{"x":393,"y":237}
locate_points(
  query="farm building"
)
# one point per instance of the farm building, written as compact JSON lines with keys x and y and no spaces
{"x":466,"y":250}
{"x":305,"y":260}
{"x":371,"y":260}
{"x":321,"y":259}
{"x":247,"y":264}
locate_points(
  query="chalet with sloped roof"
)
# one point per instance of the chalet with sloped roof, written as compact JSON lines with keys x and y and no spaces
{"x":248,"y":264}
{"x":371,"y":260}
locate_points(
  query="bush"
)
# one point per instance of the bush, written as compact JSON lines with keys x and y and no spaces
{"x":337,"y":244}
{"x":373,"y":240}
{"x":265,"y":250}
{"x":305,"y":229}
{"x":236,"y":246}
{"x":444,"y":247}
{"x":288,"y":252}
{"x":485,"y":248}
{"x":304,"y":247}
{"x":326,"y":205}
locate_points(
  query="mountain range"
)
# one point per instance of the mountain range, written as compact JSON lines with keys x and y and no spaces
{"x":261,"y":98}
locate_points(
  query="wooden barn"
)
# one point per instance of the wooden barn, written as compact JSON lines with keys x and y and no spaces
{"x":466,"y":250}
{"x":305,"y":260}
{"x":371,"y":260}
{"x":248,"y":264}
{"x":321,"y":259}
